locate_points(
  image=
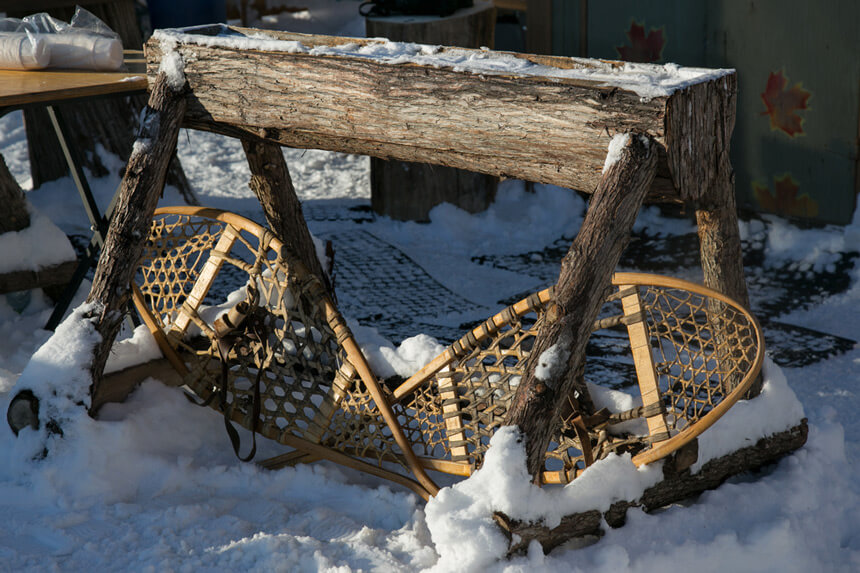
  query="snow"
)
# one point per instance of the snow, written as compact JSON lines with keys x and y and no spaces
{"x":40,"y":245}
{"x":60,"y":369}
{"x":139,"y":348}
{"x":748,"y":420}
{"x":153,"y":485}
{"x":616,"y":146}
{"x":551,"y":361}
{"x":460,"y":517}
{"x":172,"y":64}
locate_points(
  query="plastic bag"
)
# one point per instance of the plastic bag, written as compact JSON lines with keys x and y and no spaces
{"x":20,"y":47}
{"x":23,"y":51}
{"x":39,"y":41}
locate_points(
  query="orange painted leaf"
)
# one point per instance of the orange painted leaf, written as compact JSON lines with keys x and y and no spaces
{"x":643,"y":48}
{"x":784,"y":199}
{"x":782,"y":104}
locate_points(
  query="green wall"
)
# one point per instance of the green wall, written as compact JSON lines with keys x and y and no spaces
{"x":797,"y":154}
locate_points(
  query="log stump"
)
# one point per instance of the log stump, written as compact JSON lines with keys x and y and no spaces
{"x":14,"y":215}
{"x":408,"y":191}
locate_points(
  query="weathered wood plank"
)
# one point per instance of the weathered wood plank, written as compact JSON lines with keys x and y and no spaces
{"x":55,"y":275}
{"x":545,"y":129}
{"x":643,"y":360}
{"x":539,"y":26}
{"x":470,"y":28}
{"x":586,"y":272}
{"x":116,"y":386}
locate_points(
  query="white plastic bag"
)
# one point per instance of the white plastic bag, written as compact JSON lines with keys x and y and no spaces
{"x":20,"y":51}
{"x":40,"y":41}
{"x":83,"y":51}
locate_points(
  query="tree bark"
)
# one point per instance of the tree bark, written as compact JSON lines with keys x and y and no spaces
{"x":585,"y":276}
{"x":14,"y":215}
{"x":141,"y":187}
{"x":710,"y":184}
{"x":271,"y":183}
{"x":675,"y":487}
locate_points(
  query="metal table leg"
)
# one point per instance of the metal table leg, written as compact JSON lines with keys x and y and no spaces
{"x":98,"y":222}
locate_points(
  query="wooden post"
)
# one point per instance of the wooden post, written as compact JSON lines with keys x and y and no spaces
{"x":271,"y":183}
{"x":539,"y":27}
{"x":14,"y":215}
{"x":699,"y":126}
{"x":139,"y":193}
{"x":406,"y":190}
{"x":585,"y":276}
{"x":720,"y":242}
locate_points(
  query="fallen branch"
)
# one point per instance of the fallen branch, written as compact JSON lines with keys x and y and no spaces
{"x":676,"y":486}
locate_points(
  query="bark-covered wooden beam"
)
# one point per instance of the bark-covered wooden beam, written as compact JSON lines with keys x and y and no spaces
{"x":138,"y":196}
{"x":541,"y":128}
{"x":271,"y":183}
{"x":556,"y":362}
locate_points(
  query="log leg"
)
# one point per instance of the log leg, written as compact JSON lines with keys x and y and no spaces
{"x":271,"y":183}
{"x":719,"y":238}
{"x":139,"y":193}
{"x":720,"y":246}
{"x":554,"y":367}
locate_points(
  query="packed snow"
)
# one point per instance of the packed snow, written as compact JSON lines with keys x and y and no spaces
{"x":153,"y":485}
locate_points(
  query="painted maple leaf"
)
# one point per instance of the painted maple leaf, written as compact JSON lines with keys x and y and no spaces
{"x":643,"y":48}
{"x":784,"y":199}
{"x":782,"y":104}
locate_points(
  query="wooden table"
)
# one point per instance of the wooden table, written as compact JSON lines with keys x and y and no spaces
{"x":46,"y":88}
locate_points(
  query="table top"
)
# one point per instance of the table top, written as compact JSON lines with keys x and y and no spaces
{"x":18,"y":88}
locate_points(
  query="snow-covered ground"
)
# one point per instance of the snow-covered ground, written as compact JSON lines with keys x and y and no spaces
{"x":154,"y":486}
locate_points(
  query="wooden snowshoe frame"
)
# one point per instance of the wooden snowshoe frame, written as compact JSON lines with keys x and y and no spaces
{"x":695,"y":352}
